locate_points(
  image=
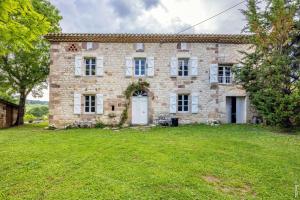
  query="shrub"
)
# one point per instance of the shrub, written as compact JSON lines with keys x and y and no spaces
{"x":29,"y":118}
{"x":39,"y":111}
{"x":99,"y":124}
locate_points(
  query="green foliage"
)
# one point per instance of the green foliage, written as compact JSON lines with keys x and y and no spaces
{"x":20,"y":26}
{"x":189,"y":162}
{"x":29,"y":118}
{"x":271,"y":71}
{"x":140,"y":85}
{"x":100,"y":124}
{"x":39,"y":112}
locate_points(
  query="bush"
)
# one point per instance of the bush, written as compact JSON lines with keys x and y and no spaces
{"x":29,"y":118}
{"x":39,"y":111}
{"x":99,"y":124}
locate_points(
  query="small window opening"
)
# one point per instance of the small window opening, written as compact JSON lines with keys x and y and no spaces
{"x":112,"y":108}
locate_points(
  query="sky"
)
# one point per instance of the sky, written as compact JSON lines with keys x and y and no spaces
{"x":147,"y":16}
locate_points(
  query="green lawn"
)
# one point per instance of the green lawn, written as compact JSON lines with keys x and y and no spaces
{"x":189,"y":162}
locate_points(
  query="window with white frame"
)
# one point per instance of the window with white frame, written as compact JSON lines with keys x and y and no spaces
{"x":139,"y":66}
{"x":90,"y":66}
{"x":224,"y":74}
{"x":183,"y":103}
{"x":183,"y":67}
{"x":89,"y":104}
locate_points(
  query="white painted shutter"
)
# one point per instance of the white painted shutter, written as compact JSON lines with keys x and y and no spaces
{"x":99,"y":66}
{"x":77,"y":103}
{"x":213,"y":73}
{"x":174,"y":66}
{"x":173,"y":103}
{"x":99,"y":104}
{"x":194,"y":66}
{"x":195,"y":103}
{"x":128,"y":62}
{"x":89,"y":45}
{"x":78,"y":63}
{"x":150,"y":66}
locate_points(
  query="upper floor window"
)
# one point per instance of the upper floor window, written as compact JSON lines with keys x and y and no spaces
{"x":183,"y":67}
{"x":139,"y":47}
{"x":90,"y":66}
{"x":224,"y":74}
{"x":139,"y":66}
{"x":89,"y":104}
{"x":183,"y":103}
{"x":183,"y":46}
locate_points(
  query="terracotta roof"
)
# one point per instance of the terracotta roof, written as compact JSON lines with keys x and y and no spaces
{"x":147,"y":38}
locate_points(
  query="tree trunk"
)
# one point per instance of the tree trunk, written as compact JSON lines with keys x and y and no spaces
{"x":21,"y":108}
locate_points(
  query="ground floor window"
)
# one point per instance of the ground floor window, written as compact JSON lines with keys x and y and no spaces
{"x":90,"y":104}
{"x":183,"y":103}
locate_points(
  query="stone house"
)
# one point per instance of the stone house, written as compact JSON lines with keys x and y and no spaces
{"x":190,"y":77}
{"x":8,"y":113}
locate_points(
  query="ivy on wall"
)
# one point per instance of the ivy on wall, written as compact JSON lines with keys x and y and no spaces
{"x":140,"y":85}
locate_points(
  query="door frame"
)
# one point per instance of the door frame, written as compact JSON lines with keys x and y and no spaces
{"x":228,"y":102}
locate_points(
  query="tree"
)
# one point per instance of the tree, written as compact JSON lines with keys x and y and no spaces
{"x":26,"y":69}
{"x":38,"y":112}
{"x":20,"y":25}
{"x":271,"y":71}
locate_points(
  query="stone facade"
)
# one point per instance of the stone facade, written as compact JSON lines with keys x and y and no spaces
{"x":8,"y":114}
{"x":113,"y":82}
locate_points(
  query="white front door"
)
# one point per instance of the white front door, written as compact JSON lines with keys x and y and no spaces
{"x":240,"y":110}
{"x":139,"y":110}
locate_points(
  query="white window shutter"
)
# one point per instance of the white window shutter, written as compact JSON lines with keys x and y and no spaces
{"x":78,"y":63}
{"x":89,"y":45}
{"x":77,"y":103}
{"x":99,"y":66}
{"x":128,"y":62}
{"x":213,"y":73}
{"x":173,"y":103}
{"x":195,"y":103}
{"x":174,"y":66}
{"x":150,"y":66}
{"x":99,"y":103}
{"x":194,"y":66}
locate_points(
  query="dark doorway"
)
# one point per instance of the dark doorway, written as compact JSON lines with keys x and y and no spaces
{"x":9,"y":116}
{"x":233,"y":109}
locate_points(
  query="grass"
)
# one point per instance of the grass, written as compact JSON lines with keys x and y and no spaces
{"x":189,"y":162}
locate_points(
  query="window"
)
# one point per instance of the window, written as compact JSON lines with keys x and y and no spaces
{"x":183,"y":67}
{"x":224,"y":74}
{"x":139,"y":66}
{"x":90,"y":66}
{"x":139,"y":47}
{"x":183,"y":103}
{"x":89,"y":106}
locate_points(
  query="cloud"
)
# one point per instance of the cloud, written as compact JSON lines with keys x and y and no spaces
{"x":148,"y":16}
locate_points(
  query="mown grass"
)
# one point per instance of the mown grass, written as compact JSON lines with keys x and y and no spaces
{"x":189,"y":162}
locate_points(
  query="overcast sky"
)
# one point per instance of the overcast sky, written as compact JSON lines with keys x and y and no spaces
{"x":148,"y":16}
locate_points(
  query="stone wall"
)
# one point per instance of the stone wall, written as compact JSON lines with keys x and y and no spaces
{"x":212,"y":105}
{"x":3,"y":113}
